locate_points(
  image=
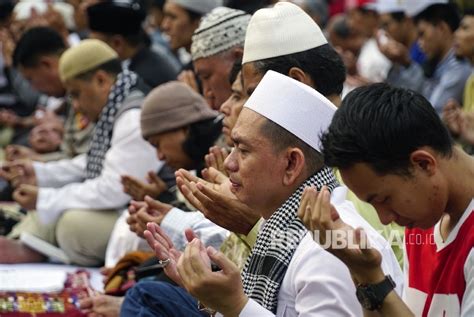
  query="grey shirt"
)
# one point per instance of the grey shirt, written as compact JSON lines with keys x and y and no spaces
{"x":446,"y":83}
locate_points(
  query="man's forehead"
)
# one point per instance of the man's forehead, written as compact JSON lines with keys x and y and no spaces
{"x":250,"y":81}
{"x":468,"y":20}
{"x":248,"y":124}
{"x":74,"y":84}
{"x":209,"y":63}
{"x":237,"y":84}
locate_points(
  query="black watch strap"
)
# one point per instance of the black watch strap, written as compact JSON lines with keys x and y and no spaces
{"x":371,"y":296}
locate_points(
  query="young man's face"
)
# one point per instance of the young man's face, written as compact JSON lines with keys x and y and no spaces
{"x":44,"y":77}
{"x":88,"y":97}
{"x":214,"y":74}
{"x":232,"y":107}
{"x":169,"y":148}
{"x":464,"y":38}
{"x":178,"y":26}
{"x":250,"y":77}
{"x":418,"y":200}
{"x":363,"y":22}
{"x":430,"y":39}
{"x":255,"y":168}
{"x":393,"y":27}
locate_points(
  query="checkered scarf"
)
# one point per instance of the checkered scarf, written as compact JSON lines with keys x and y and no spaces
{"x":101,"y":139}
{"x":276,"y":243}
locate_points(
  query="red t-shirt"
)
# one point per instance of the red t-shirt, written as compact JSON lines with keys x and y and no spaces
{"x":436,"y":269}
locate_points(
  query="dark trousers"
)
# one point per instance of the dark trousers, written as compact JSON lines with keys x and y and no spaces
{"x":149,"y":298}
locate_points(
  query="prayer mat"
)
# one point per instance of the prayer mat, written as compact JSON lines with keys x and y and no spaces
{"x":64,"y":303}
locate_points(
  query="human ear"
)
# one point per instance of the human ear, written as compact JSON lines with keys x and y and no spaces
{"x":424,"y":160}
{"x":297,"y":74}
{"x":294,"y":167}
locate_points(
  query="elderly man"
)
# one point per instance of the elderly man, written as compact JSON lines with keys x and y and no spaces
{"x":77,"y":199}
{"x":217,"y":44}
{"x":276,"y":155}
{"x":37,"y":56}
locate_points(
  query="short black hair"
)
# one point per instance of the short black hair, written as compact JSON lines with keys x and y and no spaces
{"x":236,"y":68}
{"x":35,"y":43}
{"x":112,"y":67}
{"x":468,"y":12}
{"x":132,"y":39}
{"x":381,"y":125}
{"x":6,"y":9}
{"x":281,"y":139}
{"x":200,"y":137}
{"x":322,"y":63}
{"x":341,"y":28}
{"x":398,"y":16}
{"x":440,"y":12}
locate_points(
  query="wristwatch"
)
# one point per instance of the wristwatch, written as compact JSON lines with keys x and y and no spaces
{"x":371,"y":296}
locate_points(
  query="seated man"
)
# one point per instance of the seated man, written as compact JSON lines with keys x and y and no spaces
{"x":36,"y":57}
{"x":276,"y":155}
{"x":76,"y":200}
{"x":173,"y":221}
{"x":394,"y":152}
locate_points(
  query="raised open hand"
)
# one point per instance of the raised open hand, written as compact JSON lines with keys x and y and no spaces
{"x":151,"y":211}
{"x":164,"y":250}
{"x":216,"y":158}
{"x":138,"y":189}
{"x":348,"y":244}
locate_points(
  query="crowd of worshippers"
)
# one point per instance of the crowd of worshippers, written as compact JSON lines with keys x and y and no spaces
{"x":244,"y":158}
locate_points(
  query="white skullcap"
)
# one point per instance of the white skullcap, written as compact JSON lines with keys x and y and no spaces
{"x":294,"y":106}
{"x":282,"y":30}
{"x":389,"y":6}
{"x":413,"y":8}
{"x":220,"y":30}
{"x":198,"y":6}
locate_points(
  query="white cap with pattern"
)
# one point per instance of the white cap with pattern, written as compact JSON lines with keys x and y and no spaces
{"x":282,"y":30}
{"x":220,"y":30}
{"x":294,"y":106}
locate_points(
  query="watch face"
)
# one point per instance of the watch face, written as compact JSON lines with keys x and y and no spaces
{"x":364,"y":298}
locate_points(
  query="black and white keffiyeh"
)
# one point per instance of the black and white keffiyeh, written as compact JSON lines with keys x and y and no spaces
{"x":101,"y":139}
{"x":276,"y":243}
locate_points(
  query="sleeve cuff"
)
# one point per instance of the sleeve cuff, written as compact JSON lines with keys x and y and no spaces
{"x":252,"y":308}
{"x":45,"y":215}
{"x":40,"y":173}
